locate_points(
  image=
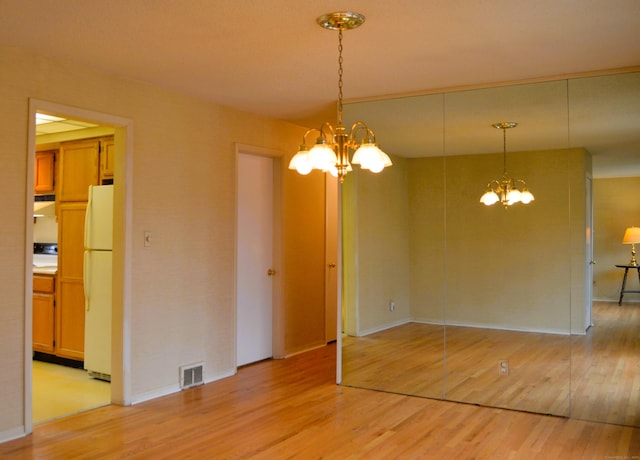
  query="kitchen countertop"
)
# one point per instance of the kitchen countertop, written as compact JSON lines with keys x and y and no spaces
{"x":45,"y":270}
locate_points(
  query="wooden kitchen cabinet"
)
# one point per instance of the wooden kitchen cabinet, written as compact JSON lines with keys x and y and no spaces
{"x":78,"y":168}
{"x":106,"y":160}
{"x":43,"y":313}
{"x":70,"y":306}
{"x":45,"y":172}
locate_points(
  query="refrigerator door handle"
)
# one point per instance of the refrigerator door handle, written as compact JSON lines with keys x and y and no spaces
{"x":88,"y":217}
{"x":86,"y":273}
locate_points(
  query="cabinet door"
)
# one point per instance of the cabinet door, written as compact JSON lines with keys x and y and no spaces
{"x":79,"y":168}
{"x":106,"y":160}
{"x":44,"y":177}
{"x":70,"y":306}
{"x":70,"y":320}
{"x":43,"y":322}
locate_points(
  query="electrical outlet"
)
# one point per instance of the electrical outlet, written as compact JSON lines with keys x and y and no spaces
{"x":503,"y":367}
{"x":392,"y":305}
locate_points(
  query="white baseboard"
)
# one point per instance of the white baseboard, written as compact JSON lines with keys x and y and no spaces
{"x":384,"y":327}
{"x":463,"y":324}
{"x":175,"y":388}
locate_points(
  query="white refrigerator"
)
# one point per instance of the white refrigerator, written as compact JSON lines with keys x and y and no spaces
{"x":98,"y":243}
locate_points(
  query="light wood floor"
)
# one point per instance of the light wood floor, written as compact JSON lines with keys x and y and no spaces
{"x":592,"y":377}
{"x":410,"y":359}
{"x":606,"y":366}
{"x":293,"y":409}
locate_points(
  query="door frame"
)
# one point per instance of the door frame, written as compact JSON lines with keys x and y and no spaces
{"x":122,"y":244}
{"x":277,"y":306}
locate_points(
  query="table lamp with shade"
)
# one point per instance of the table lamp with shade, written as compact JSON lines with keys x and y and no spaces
{"x":632,"y":236}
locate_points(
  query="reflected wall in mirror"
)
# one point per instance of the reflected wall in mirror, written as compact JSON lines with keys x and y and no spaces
{"x":475,"y":288}
{"x":385,"y":349}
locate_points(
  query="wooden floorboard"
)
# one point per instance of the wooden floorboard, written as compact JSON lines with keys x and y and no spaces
{"x":293,"y":409}
{"x":593,"y":377}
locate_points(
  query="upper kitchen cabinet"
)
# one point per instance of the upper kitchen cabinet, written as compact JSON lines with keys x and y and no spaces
{"x":83,"y":163}
{"x":79,"y":168}
{"x":106,"y":161}
{"x":45,"y":172}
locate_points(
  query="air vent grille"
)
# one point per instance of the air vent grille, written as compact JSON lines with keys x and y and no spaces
{"x":191,"y":376}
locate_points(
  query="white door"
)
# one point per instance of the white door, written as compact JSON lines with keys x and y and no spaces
{"x":589,"y":256}
{"x":331,"y":258}
{"x":254,"y":289}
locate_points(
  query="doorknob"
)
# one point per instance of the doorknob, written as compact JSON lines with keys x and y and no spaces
{"x":592,"y":262}
{"x":332,"y":265}
{"x":271,"y":272}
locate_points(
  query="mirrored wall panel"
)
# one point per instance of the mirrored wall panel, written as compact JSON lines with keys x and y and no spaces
{"x":502,"y":305}
{"x":605,"y":377}
{"x":508,"y":266}
{"x":393,"y":231}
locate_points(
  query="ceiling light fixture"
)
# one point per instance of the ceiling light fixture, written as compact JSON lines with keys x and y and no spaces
{"x":330,"y":153}
{"x":506,"y":190}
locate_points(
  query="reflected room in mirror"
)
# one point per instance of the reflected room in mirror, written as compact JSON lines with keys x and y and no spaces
{"x":493,"y":306}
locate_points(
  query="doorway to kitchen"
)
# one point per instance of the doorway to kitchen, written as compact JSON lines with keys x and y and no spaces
{"x":258,"y":274}
{"x":73,"y":157}
{"x":56,"y":382}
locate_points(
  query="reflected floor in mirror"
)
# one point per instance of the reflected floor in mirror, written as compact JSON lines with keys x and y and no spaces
{"x":59,"y":391}
{"x":602,"y":384}
{"x":606,"y":366}
{"x":408,"y":359}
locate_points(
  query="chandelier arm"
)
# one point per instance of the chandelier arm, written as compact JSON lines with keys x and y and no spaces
{"x":329,"y":134}
{"x":359,"y":126}
{"x":309,"y":131}
{"x":494,"y":186}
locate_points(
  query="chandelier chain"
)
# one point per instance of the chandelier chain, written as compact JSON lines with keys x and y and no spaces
{"x":340,"y":76}
{"x":504,"y":151}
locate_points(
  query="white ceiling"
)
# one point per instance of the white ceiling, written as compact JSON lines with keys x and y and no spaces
{"x":269,"y":57}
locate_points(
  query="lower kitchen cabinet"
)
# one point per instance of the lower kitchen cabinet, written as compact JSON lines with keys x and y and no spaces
{"x":43,"y":313}
{"x":70,"y":321}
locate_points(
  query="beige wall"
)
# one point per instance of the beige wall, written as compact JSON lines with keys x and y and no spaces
{"x":615,"y":207}
{"x":426,"y":236}
{"x":378,"y":264}
{"x":183,"y":188}
{"x":469,"y":264}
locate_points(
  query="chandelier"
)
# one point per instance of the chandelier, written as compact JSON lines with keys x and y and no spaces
{"x":330,"y":153}
{"x":506,"y":190}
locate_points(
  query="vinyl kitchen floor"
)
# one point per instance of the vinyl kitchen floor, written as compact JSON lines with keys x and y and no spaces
{"x":59,"y":391}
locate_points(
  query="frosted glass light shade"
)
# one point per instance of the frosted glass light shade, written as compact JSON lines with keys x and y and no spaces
{"x":300,"y":162}
{"x":370,"y":157}
{"x":526,"y":197}
{"x":489,"y":198}
{"x":322,"y":157}
{"x":513,"y":196}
